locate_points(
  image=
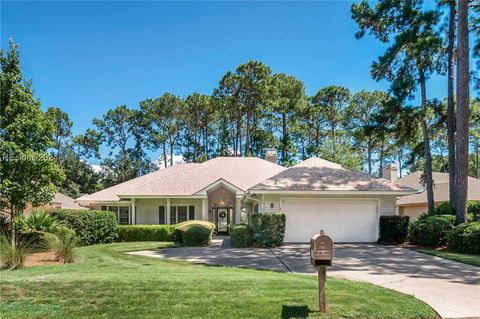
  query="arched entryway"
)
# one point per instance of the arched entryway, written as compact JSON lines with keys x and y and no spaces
{"x":221,"y":206}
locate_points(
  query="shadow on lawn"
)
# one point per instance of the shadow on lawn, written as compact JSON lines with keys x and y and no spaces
{"x":295,"y":311}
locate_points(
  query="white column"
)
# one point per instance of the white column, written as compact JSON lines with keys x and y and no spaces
{"x":167,"y":213}
{"x":204,"y":209}
{"x":238,"y":209}
{"x":134,"y":213}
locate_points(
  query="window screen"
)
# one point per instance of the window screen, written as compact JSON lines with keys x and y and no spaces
{"x":191,"y":212}
{"x":182,"y":213}
{"x":161,"y":215}
{"x":173,"y":214}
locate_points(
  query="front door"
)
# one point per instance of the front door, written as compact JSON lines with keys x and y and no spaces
{"x":222,"y":219}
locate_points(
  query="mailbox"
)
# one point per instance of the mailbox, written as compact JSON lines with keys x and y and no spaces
{"x":321,"y":250}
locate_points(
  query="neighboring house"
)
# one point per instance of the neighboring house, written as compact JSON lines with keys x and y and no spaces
{"x":416,"y":204}
{"x":315,"y":194}
{"x":59,"y":201}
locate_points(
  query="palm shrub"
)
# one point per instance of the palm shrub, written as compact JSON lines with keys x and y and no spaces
{"x":37,"y":221}
{"x":13,"y":253}
{"x":63,"y":244}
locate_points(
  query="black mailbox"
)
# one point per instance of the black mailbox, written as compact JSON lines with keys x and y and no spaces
{"x":321,"y":250}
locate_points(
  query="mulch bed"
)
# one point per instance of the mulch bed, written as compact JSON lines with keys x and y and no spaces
{"x":41,"y":259}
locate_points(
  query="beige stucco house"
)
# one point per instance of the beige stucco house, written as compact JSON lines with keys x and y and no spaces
{"x":415,"y":205}
{"x":314,"y":194}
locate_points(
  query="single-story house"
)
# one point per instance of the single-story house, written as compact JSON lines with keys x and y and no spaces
{"x":59,"y":201}
{"x":416,"y":204}
{"x":314,"y":194}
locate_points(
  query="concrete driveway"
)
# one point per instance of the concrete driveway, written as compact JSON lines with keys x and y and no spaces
{"x":451,"y":288}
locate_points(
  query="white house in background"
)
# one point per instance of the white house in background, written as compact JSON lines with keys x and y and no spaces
{"x":314,"y":194}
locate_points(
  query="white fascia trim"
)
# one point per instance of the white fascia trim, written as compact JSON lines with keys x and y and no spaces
{"x":162,"y":196}
{"x":220,"y":181}
{"x":108,"y":202}
{"x":327,"y":192}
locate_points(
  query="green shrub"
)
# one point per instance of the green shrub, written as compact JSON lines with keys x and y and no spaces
{"x":393,"y":229}
{"x":37,"y":221}
{"x":268,"y":229}
{"x":145,"y":232}
{"x":92,"y":227}
{"x":448,"y":218}
{"x":445,"y":208}
{"x":433,"y":231}
{"x":465,"y":238}
{"x":13,"y":256}
{"x":63,"y":244}
{"x":473,"y":209}
{"x":194,"y":233}
{"x":241,"y":235}
{"x":414,"y":231}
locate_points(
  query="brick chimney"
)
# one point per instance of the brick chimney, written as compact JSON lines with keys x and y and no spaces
{"x":390,"y":172}
{"x":271,"y":155}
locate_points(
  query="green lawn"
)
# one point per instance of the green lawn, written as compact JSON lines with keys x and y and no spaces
{"x":110,"y":284}
{"x":463,"y":258}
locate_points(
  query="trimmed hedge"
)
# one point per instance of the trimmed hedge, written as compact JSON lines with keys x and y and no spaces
{"x":393,"y":229}
{"x":241,"y":235}
{"x":433,"y":231}
{"x":268,"y":229}
{"x":445,"y":209}
{"x":145,"y":232}
{"x":194,"y":233}
{"x":91,"y":226}
{"x":465,"y":238}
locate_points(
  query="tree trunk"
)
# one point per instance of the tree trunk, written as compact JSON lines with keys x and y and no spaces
{"x":399,"y":154}
{"x":477,"y":165}
{"x":12,"y":224}
{"x":284,"y":139}
{"x":382,"y":153}
{"x":461,"y":145}
{"x":247,"y":133}
{"x":428,"y":155}
{"x":164,"y":146}
{"x":369,"y":157}
{"x":451,"y":102}
{"x":171,"y":151}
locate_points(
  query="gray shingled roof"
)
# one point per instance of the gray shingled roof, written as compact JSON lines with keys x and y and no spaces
{"x":315,"y":174}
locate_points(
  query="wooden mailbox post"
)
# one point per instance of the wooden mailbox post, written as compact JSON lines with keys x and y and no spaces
{"x":321,"y":254}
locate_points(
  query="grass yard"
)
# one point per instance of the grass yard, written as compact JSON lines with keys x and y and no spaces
{"x":463,"y":258}
{"x":110,"y":284}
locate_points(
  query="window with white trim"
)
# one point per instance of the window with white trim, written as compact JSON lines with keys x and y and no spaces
{"x":123,"y":215}
{"x":121,"y":212}
{"x":179,"y":214}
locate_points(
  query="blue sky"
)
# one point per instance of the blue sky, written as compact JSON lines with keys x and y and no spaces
{"x":87,"y":57}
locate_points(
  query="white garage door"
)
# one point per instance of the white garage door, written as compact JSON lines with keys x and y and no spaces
{"x":343,"y":221}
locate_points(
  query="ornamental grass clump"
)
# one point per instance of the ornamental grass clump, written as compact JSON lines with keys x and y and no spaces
{"x":13,"y":253}
{"x":63,"y":245}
